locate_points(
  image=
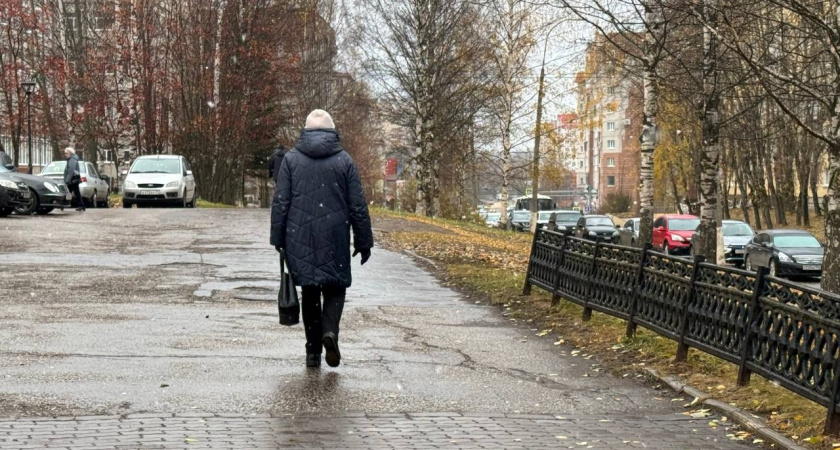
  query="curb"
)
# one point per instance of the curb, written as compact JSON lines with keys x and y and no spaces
{"x":739,"y":416}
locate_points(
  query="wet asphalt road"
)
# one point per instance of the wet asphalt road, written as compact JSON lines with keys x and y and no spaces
{"x":118,"y":312}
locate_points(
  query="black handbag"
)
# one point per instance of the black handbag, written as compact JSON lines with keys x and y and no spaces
{"x":287,"y":300}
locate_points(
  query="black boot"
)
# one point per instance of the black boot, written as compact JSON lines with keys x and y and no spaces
{"x":313,"y":360}
{"x":331,"y":346}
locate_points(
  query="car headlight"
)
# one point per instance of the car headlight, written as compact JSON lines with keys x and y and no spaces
{"x":677,"y":238}
{"x":727,"y":249}
{"x":615,"y":233}
{"x":592,"y":233}
{"x":51,"y":187}
{"x":561,"y":228}
{"x":173,"y":184}
{"x":130,"y":184}
{"x":9,"y":184}
{"x":784,"y":258}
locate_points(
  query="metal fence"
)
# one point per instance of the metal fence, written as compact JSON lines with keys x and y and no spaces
{"x":783,"y":331}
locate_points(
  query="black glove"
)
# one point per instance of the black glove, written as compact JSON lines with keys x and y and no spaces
{"x":280,"y":249}
{"x":365,"y":255}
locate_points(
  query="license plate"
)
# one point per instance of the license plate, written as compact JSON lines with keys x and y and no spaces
{"x":812,"y":267}
{"x":739,"y":251}
{"x":149,"y":192}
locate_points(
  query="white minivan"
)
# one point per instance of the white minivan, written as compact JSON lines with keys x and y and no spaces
{"x":159,"y":180}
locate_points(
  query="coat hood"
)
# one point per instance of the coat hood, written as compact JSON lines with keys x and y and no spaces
{"x":319,"y":143}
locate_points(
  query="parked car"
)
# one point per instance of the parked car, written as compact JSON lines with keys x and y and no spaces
{"x":628,"y":234}
{"x":45,"y":194}
{"x":565,"y":221}
{"x":520,"y":220}
{"x":736,"y":235}
{"x":492,"y":219}
{"x":596,"y":228}
{"x":672,"y":233}
{"x":785,"y":253}
{"x":159,"y":179}
{"x":13,"y":193}
{"x":94,"y":189}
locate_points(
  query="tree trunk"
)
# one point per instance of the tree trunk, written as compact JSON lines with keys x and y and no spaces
{"x":709,"y":230}
{"x":815,"y":177}
{"x":653,"y":17}
{"x":535,"y":173}
{"x":831,"y":263}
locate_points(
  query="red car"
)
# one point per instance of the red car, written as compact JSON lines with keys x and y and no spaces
{"x":672,"y":232}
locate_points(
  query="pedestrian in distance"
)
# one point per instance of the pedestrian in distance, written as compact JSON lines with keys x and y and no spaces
{"x":5,"y":159}
{"x":73,"y":178}
{"x":317,"y":201}
{"x":275,"y":161}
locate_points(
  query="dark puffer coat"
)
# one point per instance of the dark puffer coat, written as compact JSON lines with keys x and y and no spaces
{"x":319,"y":197}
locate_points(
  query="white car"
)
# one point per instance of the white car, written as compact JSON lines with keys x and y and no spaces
{"x":159,"y":179}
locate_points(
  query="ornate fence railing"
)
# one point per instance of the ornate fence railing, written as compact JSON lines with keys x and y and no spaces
{"x":783,"y":331}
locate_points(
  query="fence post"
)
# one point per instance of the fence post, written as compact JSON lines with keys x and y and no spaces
{"x":526,"y":290}
{"x":637,"y":290}
{"x":587,"y":311}
{"x":832,"y":418}
{"x":555,"y":297}
{"x":682,"y":347}
{"x":746,"y":343}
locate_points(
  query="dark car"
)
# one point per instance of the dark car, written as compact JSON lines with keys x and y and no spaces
{"x":596,"y":228}
{"x":520,"y":220}
{"x":565,"y":221}
{"x":736,"y":235}
{"x":13,"y":194}
{"x":45,"y":194}
{"x":785,"y":253}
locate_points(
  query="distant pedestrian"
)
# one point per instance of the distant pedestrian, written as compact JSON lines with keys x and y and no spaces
{"x":73,"y":178}
{"x":275,"y":161}
{"x":318,"y":199}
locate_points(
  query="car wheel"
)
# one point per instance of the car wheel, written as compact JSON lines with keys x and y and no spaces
{"x":632,"y":242}
{"x":92,"y":201}
{"x":44,"y":211}
{"x":772,"y":271}
{"x":29,"y":209}
{"x":191,"y":204}
{"x":747,"y":263}
{"x":126,"y":204}
{"x":105,"y":203}
{"x":665,"y":248}
{"x":184,"y":199}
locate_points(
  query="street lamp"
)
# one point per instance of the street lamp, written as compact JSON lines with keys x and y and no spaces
{"x":29,"y":88}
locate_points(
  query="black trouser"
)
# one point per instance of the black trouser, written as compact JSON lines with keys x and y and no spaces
{"x":316,"y":321}
{"x":77,"y":195}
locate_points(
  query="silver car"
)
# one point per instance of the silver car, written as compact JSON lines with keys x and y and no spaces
{"x":94,"y":189}
{"x":159,"y":179}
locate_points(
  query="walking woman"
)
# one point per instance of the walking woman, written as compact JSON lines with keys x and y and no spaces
{"x":318,"y":200}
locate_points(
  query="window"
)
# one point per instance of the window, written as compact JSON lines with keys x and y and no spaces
{"x":611,"y":180}
{"x":612,"y":90}
{"x":610,"y":126}
{"x":581,"y":181}
{"x":580,"y":164}
{"x":610,"y":162}
{"x":610,"y":143}
{"x":660,"y":222}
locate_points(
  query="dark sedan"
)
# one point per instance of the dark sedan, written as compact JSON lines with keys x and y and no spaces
{"x":596,"y":228}
{"x":565,"y":221}
{"x":45,"y":194}
{"x":13,"y":194}
{"x":785,"y":253}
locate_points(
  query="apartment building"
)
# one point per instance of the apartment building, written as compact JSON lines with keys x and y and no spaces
{"x":609,"y":115}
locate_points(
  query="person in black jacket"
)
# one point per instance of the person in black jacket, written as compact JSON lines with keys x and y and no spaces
{"x":317,"y":201}
{"x":275,"y":161}
{"x":73,"y":178}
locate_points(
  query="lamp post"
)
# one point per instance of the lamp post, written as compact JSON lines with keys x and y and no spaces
{"x":29,"y":88}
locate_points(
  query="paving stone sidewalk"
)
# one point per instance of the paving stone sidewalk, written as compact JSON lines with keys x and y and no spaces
{"x":363,"y":431}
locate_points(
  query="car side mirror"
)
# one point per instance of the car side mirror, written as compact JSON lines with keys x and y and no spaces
{"x":767,"y":244}
{"x":189,"y":173}
{"x":10,"y":166}
{"x":124,"y":172}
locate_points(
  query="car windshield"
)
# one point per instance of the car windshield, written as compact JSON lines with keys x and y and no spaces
{"x":567,"y":217}
{"x":522,"y":216}
{"x":737,"y":229}
{"x":796,"y":240}
{"x":683,"y":224}
{"x":54,"y":167}
{"x":545,"y":216}
{"x":155,"y":165}
{"x":599,"y":221}
{"x":494,"y":217}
